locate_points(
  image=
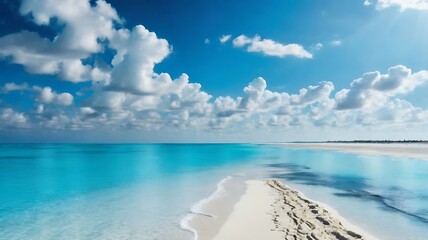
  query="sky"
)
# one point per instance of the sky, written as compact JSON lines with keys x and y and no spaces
{"x":213,"y":70}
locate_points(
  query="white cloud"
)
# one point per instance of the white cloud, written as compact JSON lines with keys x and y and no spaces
{"x":402,"y":111}
{"x":225,"y":106}
{"x":12,"y":119}
{"x":271,"y":48}
{"x":207,"y":41}
{"x":44,"y":95}
{"x":313,"y":94}
{"x":258,"y":99}
{"x":130,"y":94}
{"x":9,"y":87}
{"x":371,"y":100}
{"x":241,"y":41}
{"x":373,"y":88}
{"x":138,"y":52}
{"x":402,"y":4}
{"x":84,"y":25}
{"x":75,"y":70}
{"x":317,"y":46}
{"x":106,"y":101}
{"x":336,"y":43}
{"x":179,"y":103}
{"x":47,"y":96}
{"x":84,"y":29}
{"x":134,"y":87}
{"x":225,"y":38}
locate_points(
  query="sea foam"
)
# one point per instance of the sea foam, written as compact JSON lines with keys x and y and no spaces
{"x":198,"y":207}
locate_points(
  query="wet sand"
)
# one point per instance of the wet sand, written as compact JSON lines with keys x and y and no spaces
{"x":270,"y":210}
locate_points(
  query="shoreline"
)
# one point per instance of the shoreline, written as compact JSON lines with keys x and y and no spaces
{"x":268,"y":209}
{"x":345,"y":222}
{"x":206,"y":216}
{"x":399,"y":150}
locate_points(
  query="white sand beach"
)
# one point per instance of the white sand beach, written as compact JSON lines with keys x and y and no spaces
{"x":208,"y":215}
{"x":411,"y":150}
{"x":270,"y":210}
{"x":252,"y":217}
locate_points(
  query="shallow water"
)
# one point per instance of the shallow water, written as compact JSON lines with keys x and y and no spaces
{"x":385,"y":196}
{"x":143,"y":191}
{"x":108,"y":191}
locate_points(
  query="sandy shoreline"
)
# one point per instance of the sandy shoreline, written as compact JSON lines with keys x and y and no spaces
{"x":208,"y":215}
{"x":270,"y":210}
{"x":413,"y":150}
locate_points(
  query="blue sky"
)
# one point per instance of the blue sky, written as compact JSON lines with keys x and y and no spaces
{"x":89,"y":70}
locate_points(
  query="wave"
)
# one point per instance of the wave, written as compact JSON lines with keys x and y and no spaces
{"x":198,"y":207}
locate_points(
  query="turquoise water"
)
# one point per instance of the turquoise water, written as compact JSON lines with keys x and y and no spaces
{"x":387,"y":197}
{"x":143,"y":191}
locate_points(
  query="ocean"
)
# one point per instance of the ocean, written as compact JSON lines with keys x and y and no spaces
{"x":147,"y":191}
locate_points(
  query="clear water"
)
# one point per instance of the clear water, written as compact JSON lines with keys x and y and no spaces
{"x":142,"y":191}
{"x":386,"y":197}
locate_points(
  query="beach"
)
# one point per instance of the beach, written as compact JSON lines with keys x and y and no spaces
{"x":270,"y":210}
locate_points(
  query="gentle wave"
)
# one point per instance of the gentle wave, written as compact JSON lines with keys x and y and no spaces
{"x":197,"y":208}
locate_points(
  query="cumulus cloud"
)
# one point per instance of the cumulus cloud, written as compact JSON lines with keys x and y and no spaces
{"x":276,"y":108}
{"x":269,"y":47}
{"x":402,"y":111}
{"x":372,"y":99}
{"x":9,"y":87}
{"x":47,"y":96}
{"x":138,"y":52}
{"x":374,"y":88}
{"x":225,"y":38}
{"x":129,"y":94}
{"x":37,"y":54}
{"x":313,"y":94}
{"x":12,"y":119}
{"x":179,"y":103}
{"x":84,"y":27}
{"x":256,"y":99}
{"x":401,"y":4}
{"x":44,"y":95}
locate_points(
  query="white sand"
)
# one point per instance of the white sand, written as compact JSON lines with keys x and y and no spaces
{"x":214,"y":210}
{"x":270,"y":210}
{"x":412,"y":150}
{"x":251,"y":217}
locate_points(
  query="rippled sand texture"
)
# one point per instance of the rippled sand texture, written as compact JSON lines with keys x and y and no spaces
{"x":299,"y":218}
{"x":270,"y":210}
